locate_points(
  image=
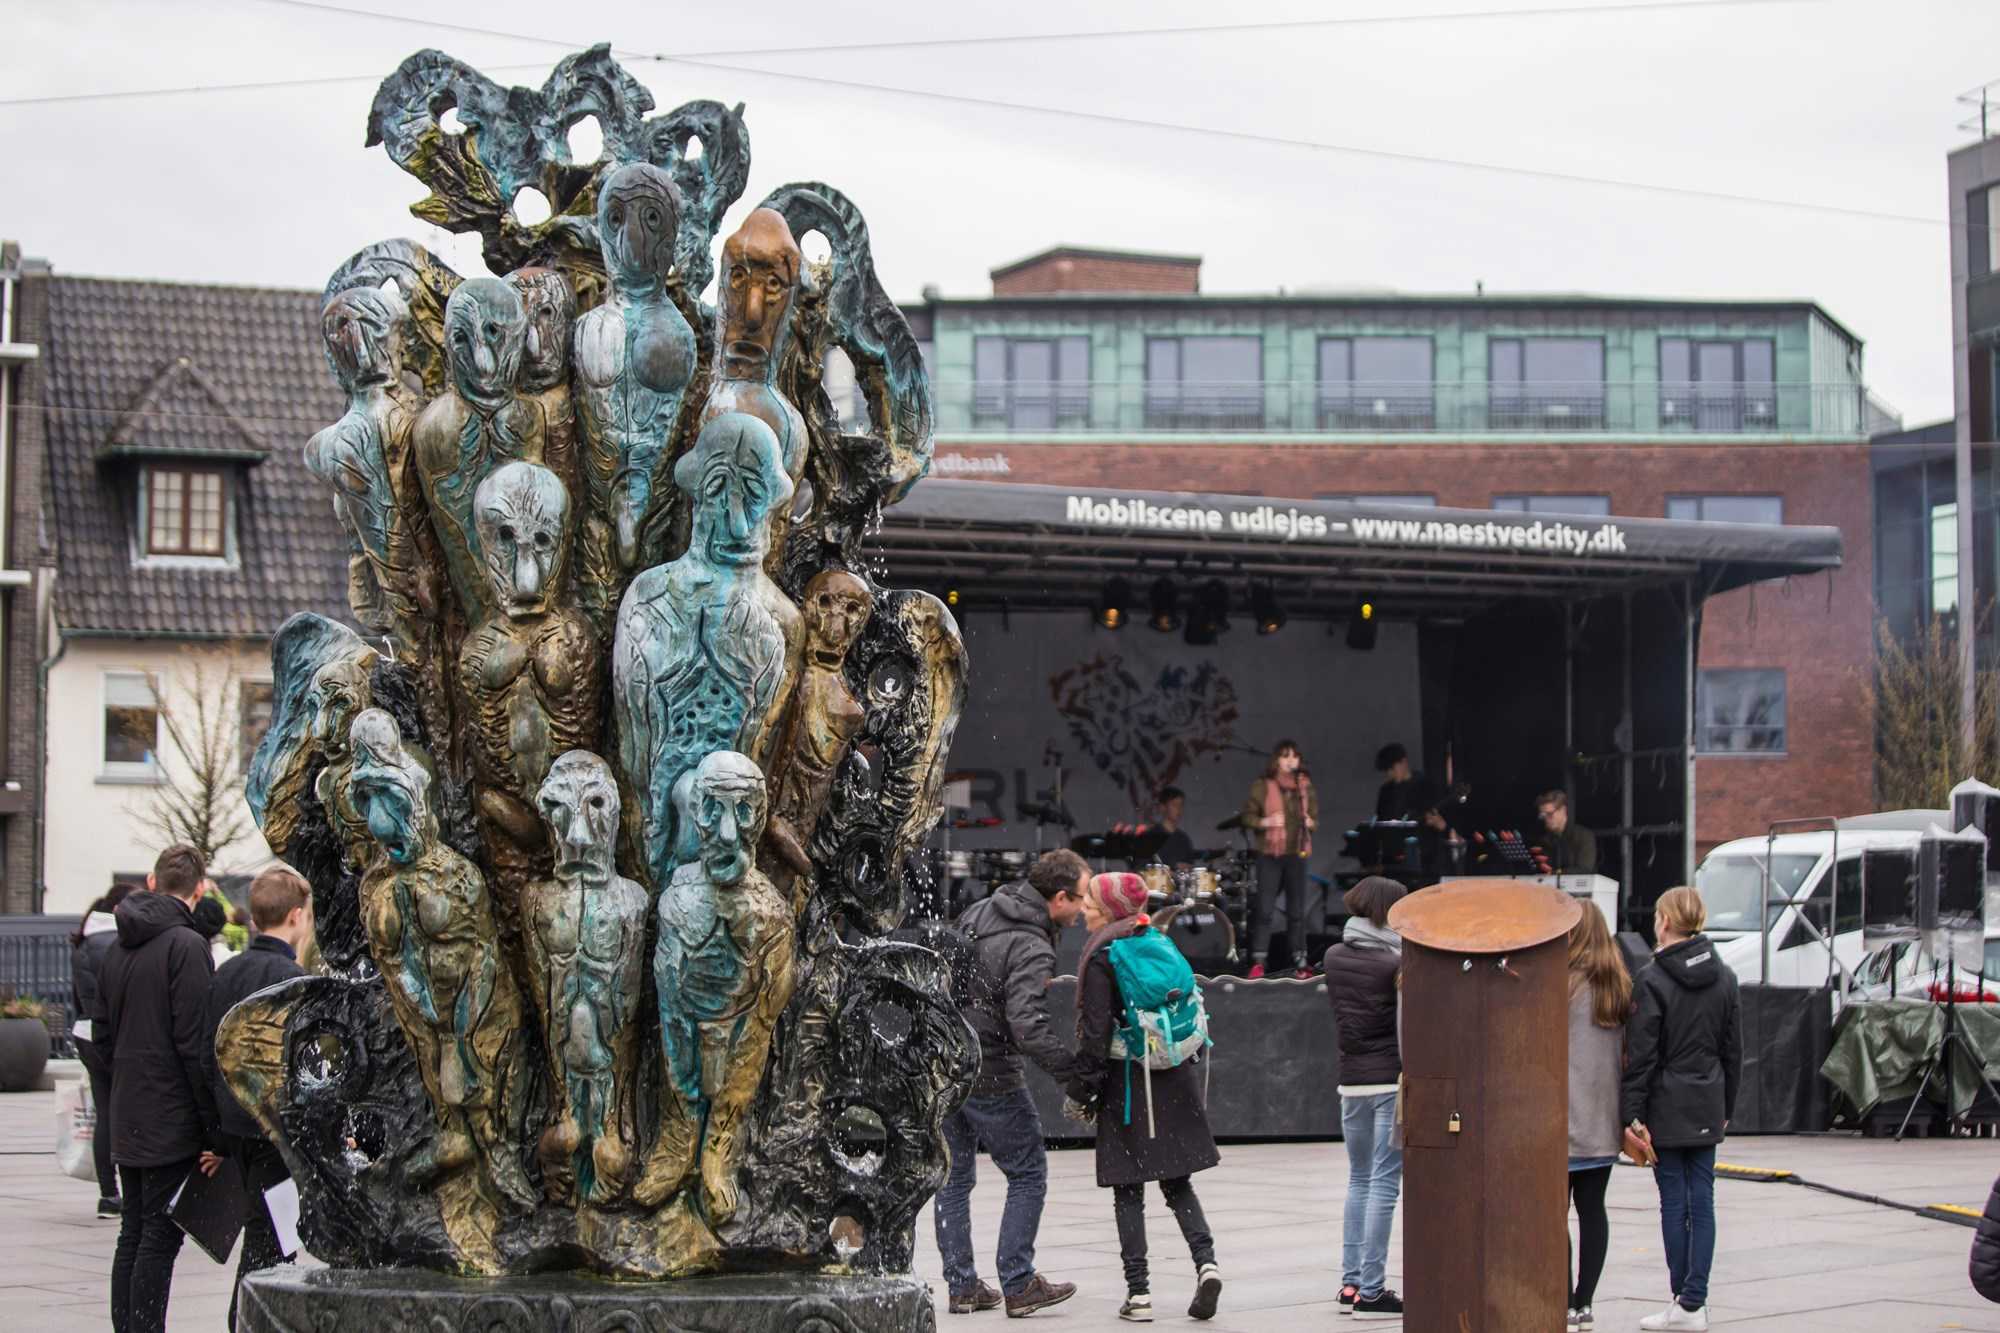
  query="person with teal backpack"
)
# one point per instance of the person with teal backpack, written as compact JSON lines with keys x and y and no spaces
{"x":1142,"y":1073}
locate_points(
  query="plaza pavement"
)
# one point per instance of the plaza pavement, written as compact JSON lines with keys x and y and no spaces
{"x":1789,"y":1258}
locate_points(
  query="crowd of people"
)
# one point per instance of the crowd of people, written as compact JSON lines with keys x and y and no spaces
{"x":150,"y":999}
{"x":1654,"y":1063}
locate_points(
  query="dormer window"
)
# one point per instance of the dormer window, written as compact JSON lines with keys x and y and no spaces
{"x":186,"y":510}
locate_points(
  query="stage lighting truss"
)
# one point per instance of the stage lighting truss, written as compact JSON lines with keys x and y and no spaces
{"x":1209,"y":617}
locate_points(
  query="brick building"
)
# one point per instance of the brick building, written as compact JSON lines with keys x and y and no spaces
{"x":1112,"y":370}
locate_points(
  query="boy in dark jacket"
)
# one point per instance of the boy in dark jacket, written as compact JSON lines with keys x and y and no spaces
{"x":1013,"y":936}
{"x":152,"y":991}
{"x":281,"y":910}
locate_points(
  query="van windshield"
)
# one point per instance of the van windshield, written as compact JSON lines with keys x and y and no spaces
{"x":1730,"y":884}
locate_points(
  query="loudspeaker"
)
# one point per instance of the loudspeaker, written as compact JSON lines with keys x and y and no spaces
{"x":1951,"y":895}
{"x":1888,"y":896}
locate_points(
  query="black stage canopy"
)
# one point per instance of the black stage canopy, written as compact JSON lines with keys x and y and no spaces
{"x":1053,"y":547}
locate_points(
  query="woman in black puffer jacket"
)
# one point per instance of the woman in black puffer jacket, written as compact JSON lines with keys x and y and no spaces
{"x":1986,"y":1249}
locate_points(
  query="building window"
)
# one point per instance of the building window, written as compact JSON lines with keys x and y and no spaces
{"x":1205,"y":383}
{"x":131,"y":726}
{"x":1728,"y":508}
{"x":1740,"y":711}
{"x":1944,"y":558}
{"x":1718,"y":384}
{"x":1982,"y":228}
{"x":1410,"y":498}
{"x":1545,"y":383}
{"x":1590,"y":506}
{"x":255,"y":704}
{"x":184,"y":511}
{"x":1375,"y":382}
{"x":1031,"y":383}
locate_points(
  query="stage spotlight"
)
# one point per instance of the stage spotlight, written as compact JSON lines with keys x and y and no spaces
{"x":1166,"y":606}
{"x":1361,"y":625}
{"x":1209,"y":616}
{"x":1265,"y":607}
{"x":1111,"y":606}
{"x":951,"y":598}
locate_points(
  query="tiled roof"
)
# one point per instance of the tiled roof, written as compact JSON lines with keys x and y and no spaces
{"x":223,"y":373}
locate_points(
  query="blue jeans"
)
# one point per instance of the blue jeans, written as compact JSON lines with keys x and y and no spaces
{"x":1009,"y":1128}
{"x":1686,"y":1178}
{"x":1374,"y":1178}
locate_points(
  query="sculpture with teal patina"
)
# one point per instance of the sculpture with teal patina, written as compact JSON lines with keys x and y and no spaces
{"x":613,"y":1015}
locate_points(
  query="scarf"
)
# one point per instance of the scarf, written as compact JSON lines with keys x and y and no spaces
{"x":1361,"y":931}
{"x":1276,"y":839}
{"x":1103,"y":935}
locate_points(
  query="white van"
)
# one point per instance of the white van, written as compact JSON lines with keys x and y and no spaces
{"x":1805,"y":885}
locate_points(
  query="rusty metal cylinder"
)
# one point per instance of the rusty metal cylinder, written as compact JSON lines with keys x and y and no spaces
{"x":1485,"y":1106}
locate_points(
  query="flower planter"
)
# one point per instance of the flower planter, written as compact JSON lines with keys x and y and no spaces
{"x":24,"y":1053}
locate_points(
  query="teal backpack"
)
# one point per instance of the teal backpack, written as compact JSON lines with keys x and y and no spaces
{"x":1164,"y":1023}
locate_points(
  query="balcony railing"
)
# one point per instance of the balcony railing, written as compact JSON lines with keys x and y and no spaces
{"x":1310,"y":407}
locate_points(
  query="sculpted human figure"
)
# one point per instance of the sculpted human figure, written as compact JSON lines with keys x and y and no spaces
{"x":531,"y":671}
{"x":706,"y":647}
{"x":550,"y":304}
{"x":760,"y":280}
{"x":365,"y":458}
{"x":586,"y":934}
{"x":431,"y":932}
{"x":826,"y":717}
{"x":723,"y":968}
{"x":465,"y":435}
{"x":634,"y":356}
{"x":339,"y":693}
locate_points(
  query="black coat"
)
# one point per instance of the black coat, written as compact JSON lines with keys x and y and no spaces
{"x":1014,"y":945}
{"x":1361,"y":986}
{"x":265,"y":963}
{"x":86,"y":967}
{"x":1683,"y":1047}
{"x":153,"y":991}
{"x":1986,"y":1249}
{"x":1181,"y":1142}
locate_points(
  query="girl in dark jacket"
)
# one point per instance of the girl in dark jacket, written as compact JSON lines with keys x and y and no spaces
{"x":1127,"y":1155}
{"x":93,"y":939}
{"x":1283,"y":810}
{"x":1684,"y":1056}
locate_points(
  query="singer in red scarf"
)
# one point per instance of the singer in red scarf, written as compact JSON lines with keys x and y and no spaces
{"x":1283,"y":809}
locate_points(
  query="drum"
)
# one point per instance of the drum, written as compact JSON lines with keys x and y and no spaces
{"x":1159,"y":880}
{"x":1199,"y":884}
{"x":1205,"y":936}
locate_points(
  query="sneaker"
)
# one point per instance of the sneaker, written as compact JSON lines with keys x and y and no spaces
{"x":110,"y":1206}
{"x":1256,"y":972}
{"x":1304,"y":974}
{"x":1137,"y":1309}
{"x":1584,"y":1322}
{"x":1386,"y":1305}
{"x":1677,"y":1316}
{"x":1207,"y":1291}
{"x":1039,"y":1294}
{"x":1349,"y":1294}
{"x":974,"y":1299}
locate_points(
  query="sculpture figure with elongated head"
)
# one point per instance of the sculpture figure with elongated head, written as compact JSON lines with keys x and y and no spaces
{"x":550,"y":305}
{"x":826,"y":717}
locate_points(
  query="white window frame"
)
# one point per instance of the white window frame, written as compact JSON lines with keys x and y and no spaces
{"x":142,"y":556}
{"x":1701,"y":723}
{"x":125,"y":771}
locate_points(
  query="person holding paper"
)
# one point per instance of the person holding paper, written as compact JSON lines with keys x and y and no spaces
{"x":281,"y":910}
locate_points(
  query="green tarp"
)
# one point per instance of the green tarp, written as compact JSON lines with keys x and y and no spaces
{"x":1880,"y":1049}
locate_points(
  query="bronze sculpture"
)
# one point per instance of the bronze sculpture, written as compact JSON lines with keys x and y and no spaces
{"x":826,"y":717}
{"x":586,"y":931}
{"x":551,"y":309}
{"x":723,"y":966}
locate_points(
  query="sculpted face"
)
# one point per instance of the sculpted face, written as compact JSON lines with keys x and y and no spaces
{"x":725,"y":799}
{"x":363,"y":329}
{"x":837,"y":605}
{"x":734,"y":477}
{"x":638,"y":221}
{"x":339,"y":691}
{"x":551,"y":306}
{"x":579,"y":801}
{"x":521,"y":514}
{"x":486,"y":336}
{"x":390,"y":788}
{"x":760,"y":275}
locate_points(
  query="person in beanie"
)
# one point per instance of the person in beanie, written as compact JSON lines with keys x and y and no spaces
{"x":1363,"y":982}
{"x":1128,"y":1156}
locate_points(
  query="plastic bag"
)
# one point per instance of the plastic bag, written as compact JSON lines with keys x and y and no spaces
{"x":76,"y":1129}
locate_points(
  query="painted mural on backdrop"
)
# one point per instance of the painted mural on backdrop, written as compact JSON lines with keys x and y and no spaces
{"x":606,"y":816}
{"x":1144,"y":726}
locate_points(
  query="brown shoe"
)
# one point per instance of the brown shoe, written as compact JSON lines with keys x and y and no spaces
{"x":977,"y":1298}
{"x":1040,"y":1293}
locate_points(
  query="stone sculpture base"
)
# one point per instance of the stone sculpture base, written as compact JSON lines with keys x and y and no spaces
{"x":344,"y":1300}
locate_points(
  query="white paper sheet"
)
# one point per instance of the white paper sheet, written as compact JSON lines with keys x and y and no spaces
{"x":81,"y":1030}
{"x":282,"y":1200}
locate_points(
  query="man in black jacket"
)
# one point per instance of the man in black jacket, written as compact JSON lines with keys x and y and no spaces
{"x":281,"y":910}
{"x":1013,"y":936}
{"x":151,"y":995}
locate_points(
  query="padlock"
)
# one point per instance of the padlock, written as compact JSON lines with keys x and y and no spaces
{"x":1452,"y":1126}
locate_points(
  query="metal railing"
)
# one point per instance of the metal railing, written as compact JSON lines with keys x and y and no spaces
{"x":1374,"y":408}
{"x":35,"y":961}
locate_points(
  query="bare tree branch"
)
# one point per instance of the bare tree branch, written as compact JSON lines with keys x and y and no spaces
{"x":1916,"y":697}
{"x":201,"y":800}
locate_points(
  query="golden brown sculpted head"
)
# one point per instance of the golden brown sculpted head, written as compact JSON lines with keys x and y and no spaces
{"x":551,"y":306}
{"x":837,"y":605}
{"x":760,"y":275}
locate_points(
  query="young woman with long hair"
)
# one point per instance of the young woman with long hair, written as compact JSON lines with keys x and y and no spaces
{"x":1600,"y":1000}
{"x":93,"y":938}
{"x":1283,"y":809}
{"x":1684,"y":1058}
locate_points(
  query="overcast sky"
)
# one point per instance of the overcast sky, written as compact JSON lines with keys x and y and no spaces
{"x":1840,"y":104}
